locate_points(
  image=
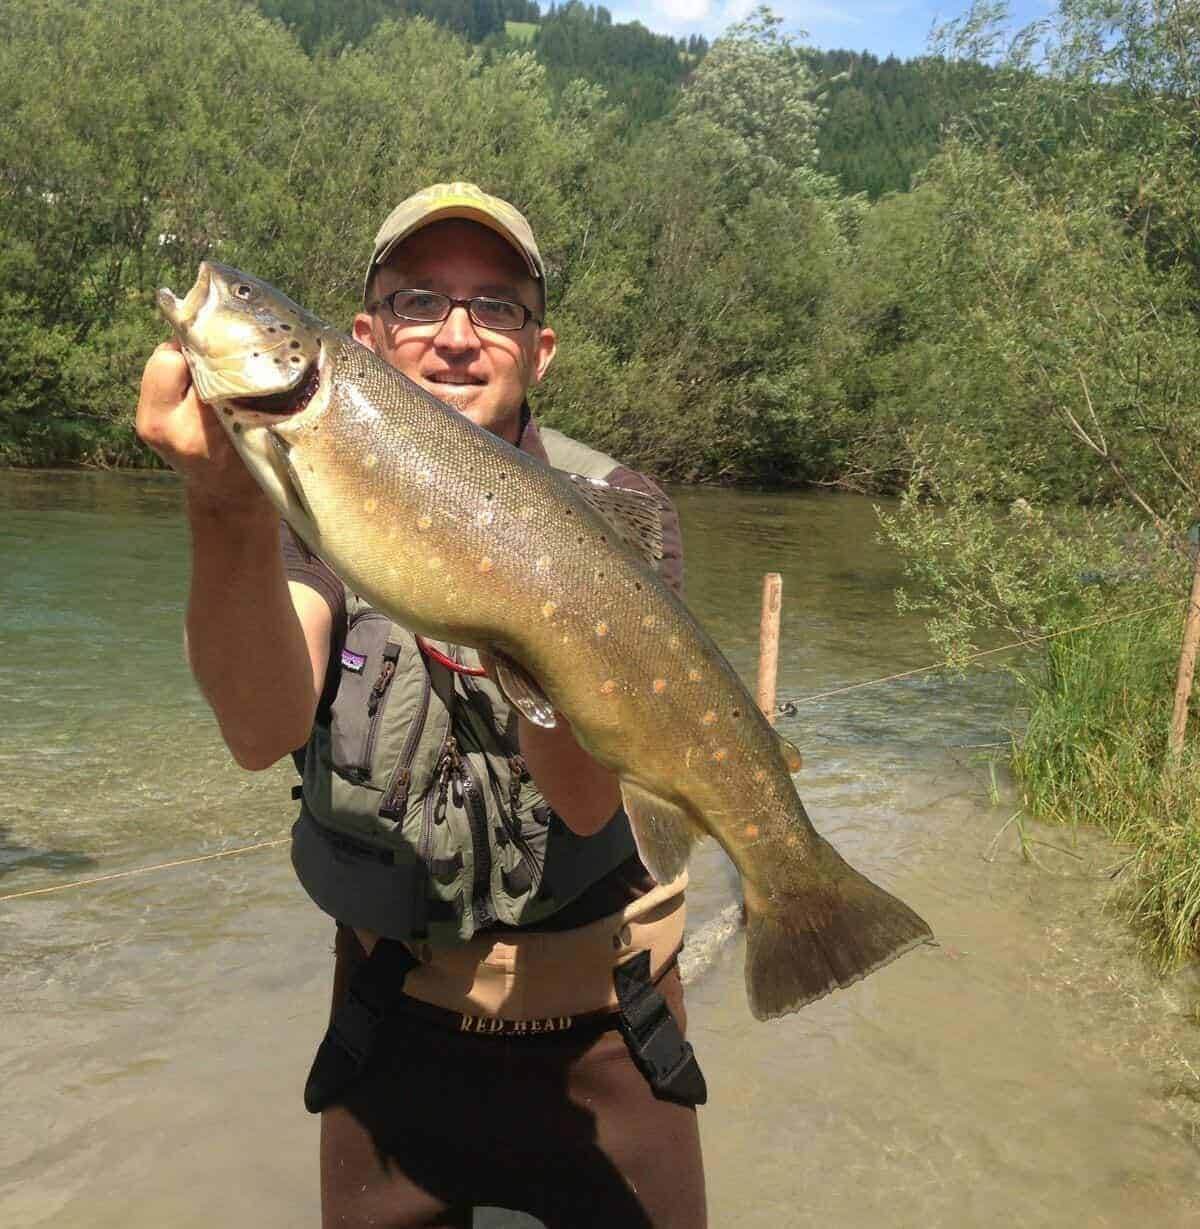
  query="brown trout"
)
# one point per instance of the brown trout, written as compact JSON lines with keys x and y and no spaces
{"x":456,"y":535}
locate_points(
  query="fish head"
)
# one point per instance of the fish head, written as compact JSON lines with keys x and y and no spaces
{"x":251,"y":350}
{"x":260,"y":361}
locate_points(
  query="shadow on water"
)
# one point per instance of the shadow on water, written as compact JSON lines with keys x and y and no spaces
{"x":14,"y":856}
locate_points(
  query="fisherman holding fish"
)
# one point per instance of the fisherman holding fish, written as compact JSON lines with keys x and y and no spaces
{"x":507,"y":1024}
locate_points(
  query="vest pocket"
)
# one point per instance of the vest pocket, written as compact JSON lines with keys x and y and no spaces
{"x":368,"y":668}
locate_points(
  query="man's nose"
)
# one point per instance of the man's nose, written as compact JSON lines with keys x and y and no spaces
{"x":457,"y":332}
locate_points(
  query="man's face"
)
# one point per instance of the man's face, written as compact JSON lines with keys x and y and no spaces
{"x":480,"y":372}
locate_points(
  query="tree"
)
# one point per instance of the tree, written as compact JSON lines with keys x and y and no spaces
{"x":755,"y":90}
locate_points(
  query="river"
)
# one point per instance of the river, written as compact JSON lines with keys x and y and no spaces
{"x":157,"y":1028}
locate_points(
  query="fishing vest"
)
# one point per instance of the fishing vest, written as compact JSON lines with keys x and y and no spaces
{"x":419,"y":819}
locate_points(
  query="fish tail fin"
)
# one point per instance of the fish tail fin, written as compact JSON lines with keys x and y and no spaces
{"x":801,"y":947}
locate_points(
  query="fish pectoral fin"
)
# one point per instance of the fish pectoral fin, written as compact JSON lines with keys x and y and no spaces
{"x":663,"y":831}
{"x":791,"y":754}
{"x":267,"y":459}
{"x":523,"y":693}
{"x":634,"y":516}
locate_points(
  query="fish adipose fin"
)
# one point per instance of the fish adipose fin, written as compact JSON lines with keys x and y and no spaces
{"x":523,"y":693}
{"x":791,"y":754}
{"x":802,"y":945}
{"x":635,"y":517}
{"x":662,"y":830}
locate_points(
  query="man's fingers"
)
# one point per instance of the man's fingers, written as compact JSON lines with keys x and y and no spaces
{"x":166,"y":379}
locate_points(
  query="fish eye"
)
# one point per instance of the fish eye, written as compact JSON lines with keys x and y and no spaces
{"x":242,"y":290}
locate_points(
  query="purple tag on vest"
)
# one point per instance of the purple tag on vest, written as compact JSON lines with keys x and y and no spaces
{"x":353,"y":661}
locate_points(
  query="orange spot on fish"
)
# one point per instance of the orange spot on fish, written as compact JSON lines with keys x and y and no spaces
{"x":760,"y":776}
{"x":720,"y":755}
{"x":486,"y":565}
{"x":608,"y":687}
{"x":648,"y":620}
{"x":370,"y":462}
{"x":660,"y":685}
{"x":602,"y":628}
{"x":370,"y":505}
{"x":693,"y":676}
{"x":434,"y":563}
{"x":548,"y":610}
{"x":423,"y":522}
{"x":710,"y":718}
{"x":750,"y":832}
{"x":674,"y":642}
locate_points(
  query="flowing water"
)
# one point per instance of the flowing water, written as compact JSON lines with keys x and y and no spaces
{"x":157,"y":1028}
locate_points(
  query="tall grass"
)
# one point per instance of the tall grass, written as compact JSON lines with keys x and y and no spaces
{"x":1094,"y":752}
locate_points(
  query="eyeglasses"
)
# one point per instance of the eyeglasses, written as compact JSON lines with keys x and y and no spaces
{"x":429,"y":307}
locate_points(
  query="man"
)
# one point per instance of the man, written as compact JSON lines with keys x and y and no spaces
{"x":507,"y":1012}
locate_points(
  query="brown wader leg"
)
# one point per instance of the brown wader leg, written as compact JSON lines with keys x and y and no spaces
{"x":569,"y":1131}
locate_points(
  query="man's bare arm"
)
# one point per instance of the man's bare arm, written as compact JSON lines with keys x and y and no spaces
{"x":257,"y":646}
{"x":581,"y":791}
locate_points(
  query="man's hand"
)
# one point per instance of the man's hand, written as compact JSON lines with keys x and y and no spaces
{"x":184,"y":431}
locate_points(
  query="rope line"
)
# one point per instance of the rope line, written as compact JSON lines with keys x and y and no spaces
{"x":824,"y":695}
{"x":142,"y":870}
{"x":1004,"y":648}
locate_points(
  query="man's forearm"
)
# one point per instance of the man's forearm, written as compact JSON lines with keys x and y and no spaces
{"x":246,"y":644}
{"x":581,"y":790}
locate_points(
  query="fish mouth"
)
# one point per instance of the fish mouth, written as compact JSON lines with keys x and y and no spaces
{"x":181,"y":313}
{"x":287,"y":403}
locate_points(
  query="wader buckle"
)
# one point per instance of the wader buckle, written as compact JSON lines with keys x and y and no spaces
{"x":658,"y":1048}
{"x":345,"y":1051}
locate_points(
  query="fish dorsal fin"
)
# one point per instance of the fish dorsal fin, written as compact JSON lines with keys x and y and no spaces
{"x":523,"y":693}
{"x":635,"y":517}
{"x":791,"y":754}
{"x":663,"y":832}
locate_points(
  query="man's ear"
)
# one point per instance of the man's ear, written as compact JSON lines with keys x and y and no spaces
{"x":547,"y":347}
{"x":363,"y":330}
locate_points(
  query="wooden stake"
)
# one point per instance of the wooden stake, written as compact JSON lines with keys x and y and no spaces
{"x":1186,"y":672}
{"x":768,"y":643}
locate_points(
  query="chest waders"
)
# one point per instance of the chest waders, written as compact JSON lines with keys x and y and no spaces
{"x":419,"y":820}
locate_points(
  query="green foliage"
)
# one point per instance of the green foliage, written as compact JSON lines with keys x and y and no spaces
{"x":755,"y":92}
{"x":639,"y":70}
{"x":1093,"y":752}
{"x":207,"y":130}
{"x":884,"y":119}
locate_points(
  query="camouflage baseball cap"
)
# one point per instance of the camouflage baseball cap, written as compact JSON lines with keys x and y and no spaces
{"x":454,"y":200}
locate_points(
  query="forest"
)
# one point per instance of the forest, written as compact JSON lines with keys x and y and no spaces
{"x":969,"y":282}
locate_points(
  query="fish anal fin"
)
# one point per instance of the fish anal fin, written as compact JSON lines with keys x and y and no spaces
{"x":634,"y":516}
{"x":791,"y":754}
{"x":522,"y":692}
{"x":663,"y":832}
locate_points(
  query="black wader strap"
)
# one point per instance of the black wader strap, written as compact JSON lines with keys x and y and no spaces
{"x":376,"y":986}
{"x":653,"y":1037}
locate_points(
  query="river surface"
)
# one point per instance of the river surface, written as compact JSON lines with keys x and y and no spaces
{"x":157,"y":1028}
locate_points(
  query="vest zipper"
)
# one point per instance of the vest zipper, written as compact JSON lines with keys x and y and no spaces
{"x":376,"y":702}
{"x":395,"y":797}
{"x":510,"y":817}
{"x":476,"y":810}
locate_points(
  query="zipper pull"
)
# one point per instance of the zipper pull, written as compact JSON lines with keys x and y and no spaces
{"x":395,"y":801}
{"x":390,"y":655}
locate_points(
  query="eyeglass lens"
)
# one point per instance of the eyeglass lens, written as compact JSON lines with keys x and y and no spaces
{"x":428,"y":307}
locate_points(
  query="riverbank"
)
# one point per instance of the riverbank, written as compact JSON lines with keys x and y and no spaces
{"x":1094,"y":752}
